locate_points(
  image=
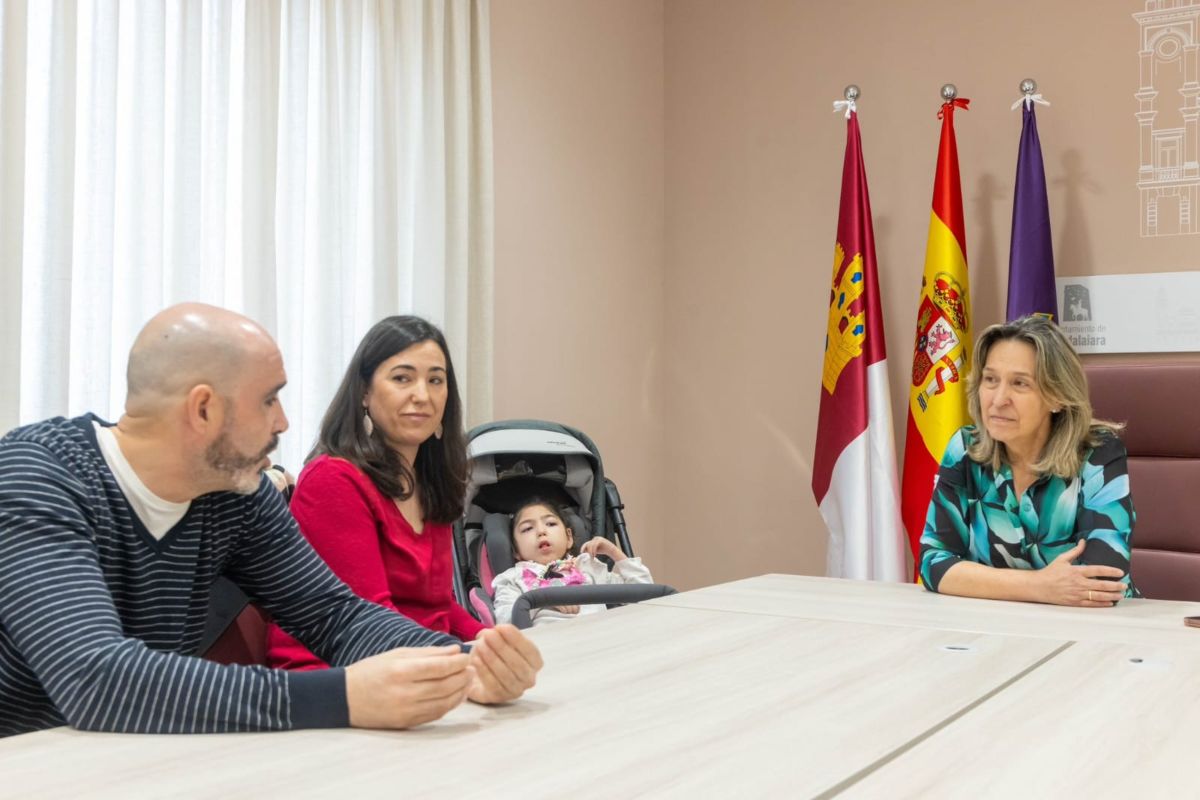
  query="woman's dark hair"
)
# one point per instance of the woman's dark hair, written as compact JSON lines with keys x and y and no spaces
{"x":440,"y":473}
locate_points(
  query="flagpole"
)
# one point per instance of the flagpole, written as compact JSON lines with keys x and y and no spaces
{"x":850,"y":104}
{"x":1029,"y":95}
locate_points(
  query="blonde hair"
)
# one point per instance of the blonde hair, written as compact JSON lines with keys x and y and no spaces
{"x":1060,"y":380}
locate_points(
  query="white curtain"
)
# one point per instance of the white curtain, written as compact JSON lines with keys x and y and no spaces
{"x":314,"y":164}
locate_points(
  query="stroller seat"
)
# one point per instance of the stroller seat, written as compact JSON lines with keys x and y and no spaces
{"x":511,"y":462}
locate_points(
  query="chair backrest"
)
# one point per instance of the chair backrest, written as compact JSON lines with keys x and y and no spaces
{"x":243,"y":642}
{"x":1160,"y":403}
{"x":235,"y":631}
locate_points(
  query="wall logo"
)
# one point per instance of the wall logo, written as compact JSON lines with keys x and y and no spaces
{"x":1078,"y":320}
{"x":1078,"y":301}
{"x":1168,"y":117}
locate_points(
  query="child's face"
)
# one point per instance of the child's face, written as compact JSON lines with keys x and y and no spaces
{"x":540,"y":535}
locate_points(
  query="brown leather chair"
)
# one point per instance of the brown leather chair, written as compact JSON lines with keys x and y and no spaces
{"x":243,"y":642}
{"x":236,"y":630}
{"x":1160,"y":403}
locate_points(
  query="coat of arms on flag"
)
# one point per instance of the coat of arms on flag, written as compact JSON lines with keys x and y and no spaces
{"x":847,"y":328}
{"x":941,"y":326}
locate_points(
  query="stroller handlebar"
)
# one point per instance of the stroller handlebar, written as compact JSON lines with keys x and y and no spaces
{"x":610,"y":595}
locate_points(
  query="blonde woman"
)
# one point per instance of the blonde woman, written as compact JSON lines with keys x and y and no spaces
{"x":1031,"y":503}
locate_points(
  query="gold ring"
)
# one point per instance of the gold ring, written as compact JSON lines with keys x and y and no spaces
{"x":1089,"y":595}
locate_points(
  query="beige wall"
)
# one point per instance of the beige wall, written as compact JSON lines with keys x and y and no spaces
{"x":578,"y":141}
{"x":750,"y":158}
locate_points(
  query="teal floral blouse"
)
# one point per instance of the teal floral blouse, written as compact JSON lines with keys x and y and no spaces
{"x":974,"y":514}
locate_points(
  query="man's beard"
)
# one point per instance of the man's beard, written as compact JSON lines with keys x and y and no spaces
{"x":241,"y":470}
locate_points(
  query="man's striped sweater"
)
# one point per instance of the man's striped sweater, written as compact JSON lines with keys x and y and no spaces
{"x":99,"y":621}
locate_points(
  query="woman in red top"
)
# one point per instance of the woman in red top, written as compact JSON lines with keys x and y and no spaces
{"x":386,"y":481}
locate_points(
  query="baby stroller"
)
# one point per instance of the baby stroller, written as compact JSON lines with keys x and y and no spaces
{"x":510,"y":462}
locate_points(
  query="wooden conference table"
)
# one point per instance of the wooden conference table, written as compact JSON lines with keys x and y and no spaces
{"x":777,"y":686}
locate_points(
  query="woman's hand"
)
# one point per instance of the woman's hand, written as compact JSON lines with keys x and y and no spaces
{"x":599,"y":546}
{"x":1065,"y":584}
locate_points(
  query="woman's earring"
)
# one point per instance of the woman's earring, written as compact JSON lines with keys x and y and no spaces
{"x":368,"y":423}
{"x":438,"y":432}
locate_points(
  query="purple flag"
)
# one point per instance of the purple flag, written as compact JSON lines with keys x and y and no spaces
{"x":1030,"y":257}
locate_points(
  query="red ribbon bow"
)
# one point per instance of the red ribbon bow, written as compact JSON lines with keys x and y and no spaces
{"x":950,"y":105}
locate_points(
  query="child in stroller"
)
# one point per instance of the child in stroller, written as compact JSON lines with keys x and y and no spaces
{"x":543,"y":543}
{"x":509,"y":463}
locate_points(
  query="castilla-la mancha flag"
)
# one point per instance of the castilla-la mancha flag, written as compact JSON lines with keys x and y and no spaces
{"x":854,"y":469}
{"x":937,"y":399}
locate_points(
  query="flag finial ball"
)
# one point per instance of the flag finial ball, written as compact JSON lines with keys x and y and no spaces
{"x":852,"y":92}
{"x":949,"y":92}
{"x":1028,"y":86}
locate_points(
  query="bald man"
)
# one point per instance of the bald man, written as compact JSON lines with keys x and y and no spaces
{"x":111,"y":537}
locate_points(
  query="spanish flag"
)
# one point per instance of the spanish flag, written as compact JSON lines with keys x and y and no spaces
{"x":854,"y":462}
{"x":937,"y":398}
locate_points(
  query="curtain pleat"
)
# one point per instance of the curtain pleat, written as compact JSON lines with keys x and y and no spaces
{"x":314,"y":164}
{"x":13,"y":69}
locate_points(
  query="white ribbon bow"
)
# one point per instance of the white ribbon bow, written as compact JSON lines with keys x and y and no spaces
{"x":838,"y":105}
{"x":1029,"y":100}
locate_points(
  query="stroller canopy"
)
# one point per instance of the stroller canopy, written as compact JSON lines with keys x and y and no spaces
{"x":515,"y":460}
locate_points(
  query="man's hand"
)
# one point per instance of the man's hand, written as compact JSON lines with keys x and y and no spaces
{"x":407,"y":686}
{"x":506,"y":664}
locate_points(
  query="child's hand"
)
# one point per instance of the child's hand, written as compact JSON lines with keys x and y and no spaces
{"x":283,"y":480}
{"x":599,"y":546}
{"x":567,"y":609}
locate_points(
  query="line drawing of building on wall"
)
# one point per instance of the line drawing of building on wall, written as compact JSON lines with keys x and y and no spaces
{"x":1169,"y":117}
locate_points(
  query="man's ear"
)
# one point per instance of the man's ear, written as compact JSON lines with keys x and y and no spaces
{"x":205,"y":410}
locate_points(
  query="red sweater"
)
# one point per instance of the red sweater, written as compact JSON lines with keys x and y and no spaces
{"x":369,"y":544}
